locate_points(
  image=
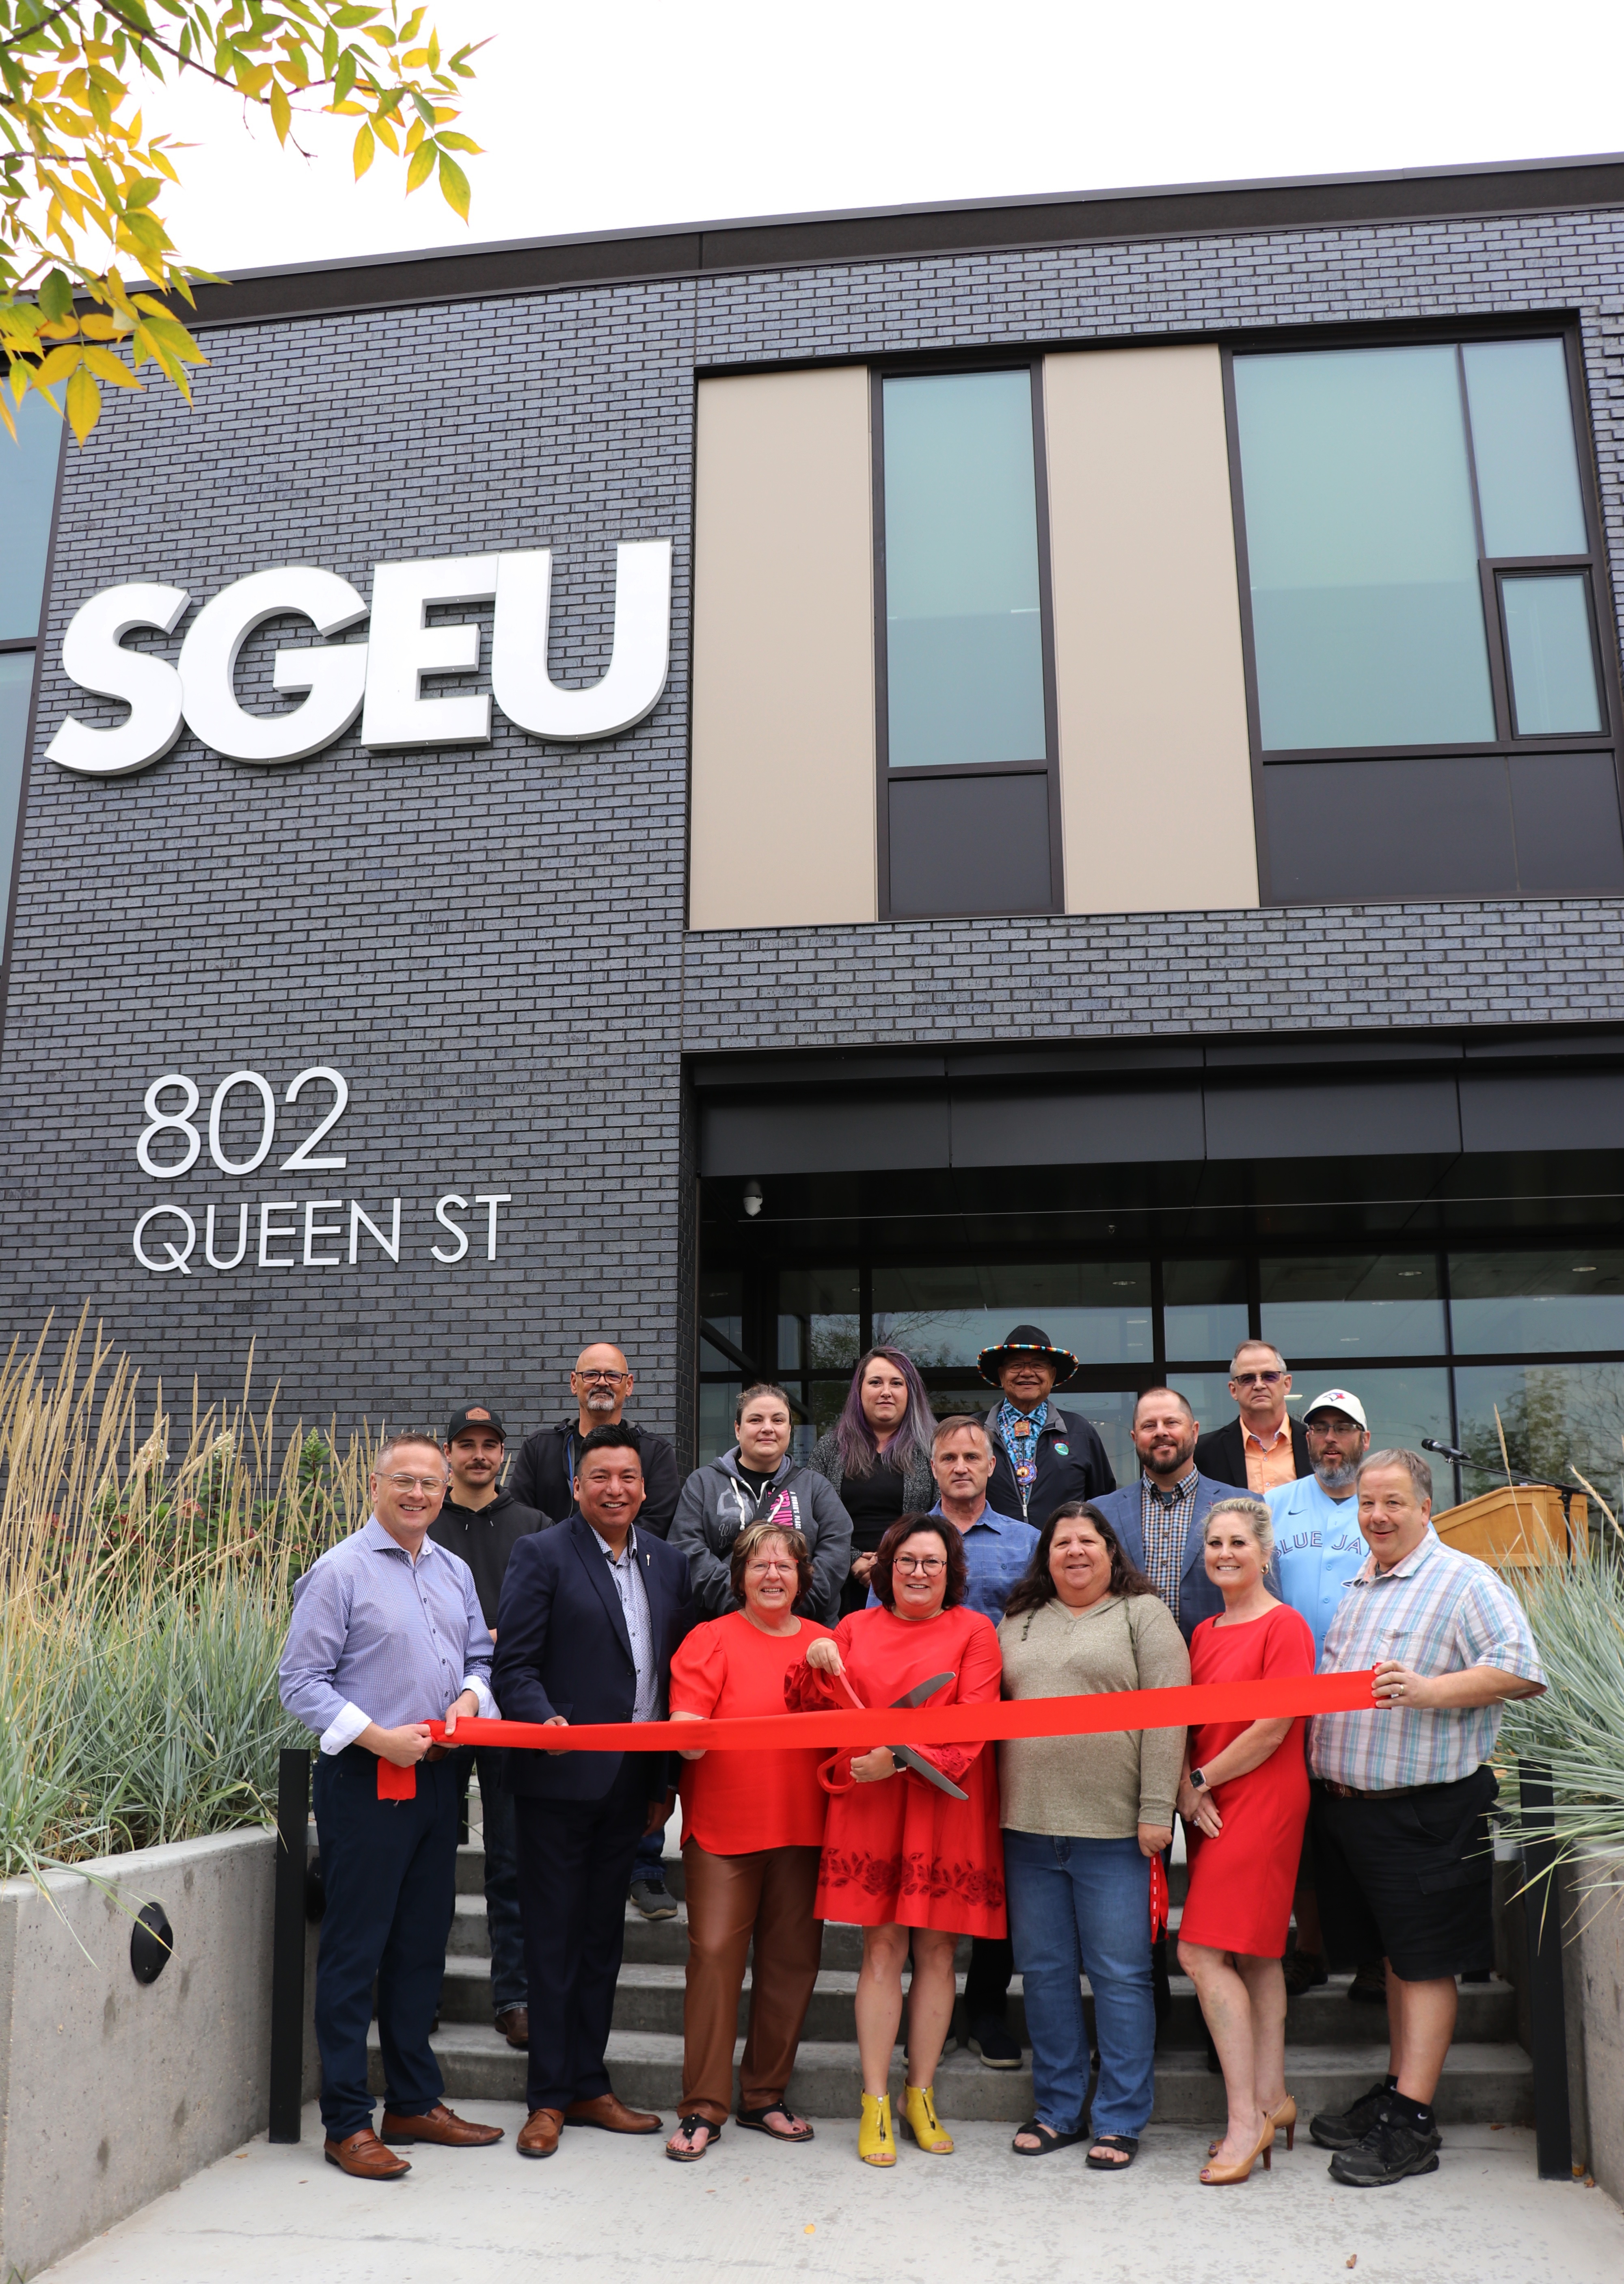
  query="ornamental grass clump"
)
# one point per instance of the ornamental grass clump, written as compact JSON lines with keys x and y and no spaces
{"x":145,"y":1587}
{"x":1576,"y":1610}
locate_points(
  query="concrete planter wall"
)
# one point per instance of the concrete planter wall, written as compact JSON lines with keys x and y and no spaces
{"x":1594,"y":1973}
{"x":112,"y":2091}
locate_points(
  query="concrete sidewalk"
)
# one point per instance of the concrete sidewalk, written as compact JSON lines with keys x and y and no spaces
{"x":605,"y":2209}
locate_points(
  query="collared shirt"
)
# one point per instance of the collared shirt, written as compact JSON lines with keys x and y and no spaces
{"x":1269,"y":1464}
{"x":627,"y":1573}
{"x":997,"y":1550}
{"x":1163,"y":1519}
{"x":1318,"y":1547}
{"x":377,"y":1637}
{"x":1018,"y":1432}
{"x":1438,"y":1611}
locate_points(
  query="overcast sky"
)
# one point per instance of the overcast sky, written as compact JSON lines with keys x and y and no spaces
{"x":663,"y":110}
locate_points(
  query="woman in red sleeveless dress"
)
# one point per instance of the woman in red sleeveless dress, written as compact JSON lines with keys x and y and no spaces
{"x":901,"y":1859}
{"x":1245,"y":1799}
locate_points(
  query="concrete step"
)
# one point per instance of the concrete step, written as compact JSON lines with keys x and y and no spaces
{"x":649,"y":1996}
{"x":1481,"y":2085}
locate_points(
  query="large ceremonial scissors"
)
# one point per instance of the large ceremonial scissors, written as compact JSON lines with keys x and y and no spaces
{"x":905,"y":1754}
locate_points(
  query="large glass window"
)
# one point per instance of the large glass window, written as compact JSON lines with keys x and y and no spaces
{"x":1536,"y":1303}
{"x":27,"y":488}
{"x":962,"y":645}
{"x":1203,"y":1308}
{"x":1554,"y":1417}
{"x":1423,"y":593}
{"x":1353,"y":1305}
{"x":946,"y":1316}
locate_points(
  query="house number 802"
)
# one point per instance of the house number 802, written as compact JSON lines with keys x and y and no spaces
{"x":178,"y":1122}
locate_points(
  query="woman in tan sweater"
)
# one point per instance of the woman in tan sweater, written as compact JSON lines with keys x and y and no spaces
{"x":1082,"y":1817}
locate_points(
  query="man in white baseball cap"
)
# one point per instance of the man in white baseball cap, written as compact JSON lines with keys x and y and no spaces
{"x":1318,"y":1547}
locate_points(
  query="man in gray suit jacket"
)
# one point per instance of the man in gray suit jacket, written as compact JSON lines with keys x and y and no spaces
{"x":1160,"y":1519}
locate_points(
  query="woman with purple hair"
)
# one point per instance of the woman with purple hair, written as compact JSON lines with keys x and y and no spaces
{"x":877,"y":1457}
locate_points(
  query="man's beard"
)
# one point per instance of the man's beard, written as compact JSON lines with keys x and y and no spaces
{"x":1338,"y":1479}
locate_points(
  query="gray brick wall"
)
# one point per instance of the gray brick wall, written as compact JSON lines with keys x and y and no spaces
{"x":489,"y":944}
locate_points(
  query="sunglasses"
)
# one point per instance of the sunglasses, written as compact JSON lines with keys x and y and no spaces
{"x":1257,"y":1379}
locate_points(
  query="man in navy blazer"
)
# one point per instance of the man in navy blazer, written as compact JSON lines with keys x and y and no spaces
{"x":1160,"y":1519}
{"x":590,"y":1614}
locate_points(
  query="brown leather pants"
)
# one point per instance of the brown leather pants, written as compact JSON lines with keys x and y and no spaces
{"x":768,"y":1895}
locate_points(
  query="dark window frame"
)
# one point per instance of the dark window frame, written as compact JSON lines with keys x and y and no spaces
{"x":1595,"y":565}
{"x":37,"y":644}
{"x":1031,"y":363}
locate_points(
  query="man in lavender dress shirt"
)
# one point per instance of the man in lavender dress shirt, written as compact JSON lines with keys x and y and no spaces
{"x":387,"y":1636}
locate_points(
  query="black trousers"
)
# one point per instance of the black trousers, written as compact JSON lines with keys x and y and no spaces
{"x":987,"y":1982}
{"x":574,"y":1865}
{"x":389,"y":1870}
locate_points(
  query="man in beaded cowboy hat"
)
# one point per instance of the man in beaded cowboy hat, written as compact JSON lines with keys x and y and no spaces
{"x":1043,"y":1455}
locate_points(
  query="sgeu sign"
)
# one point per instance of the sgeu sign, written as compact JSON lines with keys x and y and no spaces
{"x":380,"y":679}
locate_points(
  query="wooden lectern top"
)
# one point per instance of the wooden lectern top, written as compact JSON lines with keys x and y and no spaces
{"x":1518,"y":1527}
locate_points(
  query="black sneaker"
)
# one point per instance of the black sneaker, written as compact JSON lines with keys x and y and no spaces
{"x":997,"y":2048}
{"x":1369,"y":1987}
{"x":1304,"y":1970}
{"x":653,"y":1899}
{"x":1391,"y":2151}
{"x":1333,"y":2131}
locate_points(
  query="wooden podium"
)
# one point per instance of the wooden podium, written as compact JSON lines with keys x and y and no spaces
{"x":1517,"y":1528}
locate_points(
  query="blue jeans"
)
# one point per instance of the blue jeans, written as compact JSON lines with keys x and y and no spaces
{"x":1077,"y":1907}
{"x":649,"y":1863}
{"x":508,"y":1987}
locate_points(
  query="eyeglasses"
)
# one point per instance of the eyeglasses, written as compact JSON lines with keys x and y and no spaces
{"x":415,"y":1482}
{"x":611,"y":1379}
{"x":1261,"y":1379}
{"x":930,"y":1564}
{"x":765,"y":1570}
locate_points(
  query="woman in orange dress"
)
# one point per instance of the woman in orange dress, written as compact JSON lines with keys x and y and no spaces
{"x":1244,"y":1796}
{"x":753,"y":1824}
{"x":901,"y":1859}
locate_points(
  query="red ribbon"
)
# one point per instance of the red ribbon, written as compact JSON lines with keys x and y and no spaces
{"x":1101,"y":1713}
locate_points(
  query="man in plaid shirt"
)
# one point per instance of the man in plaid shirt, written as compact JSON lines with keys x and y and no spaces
{"x":1401,"y":1799}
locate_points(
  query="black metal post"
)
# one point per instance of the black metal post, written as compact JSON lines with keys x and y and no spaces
{"x":287,"y":1948}
{"x":1547,"y":2032}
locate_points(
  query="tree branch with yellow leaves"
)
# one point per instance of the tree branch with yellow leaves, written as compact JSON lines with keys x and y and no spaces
{"x":90,"y":275}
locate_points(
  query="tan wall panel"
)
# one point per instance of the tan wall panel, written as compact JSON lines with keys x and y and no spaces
{"x":1155,"y":771}
{"x":782,"y":812}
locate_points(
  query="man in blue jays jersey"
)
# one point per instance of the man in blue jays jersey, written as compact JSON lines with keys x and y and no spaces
{"x":1318,"y":1547}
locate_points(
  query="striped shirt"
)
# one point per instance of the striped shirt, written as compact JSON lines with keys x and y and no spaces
{"x":1164,"y":1520}
{"x":1437,"y":1611}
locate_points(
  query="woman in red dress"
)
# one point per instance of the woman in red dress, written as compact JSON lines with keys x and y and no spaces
{"x":903,"y":1859}
{"x":1244,"y":1797}
{"x":753,"y":1824}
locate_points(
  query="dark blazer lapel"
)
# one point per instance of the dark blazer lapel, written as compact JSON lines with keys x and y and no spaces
{"x":597,"y":1569}
{"x":1195,"y":1538}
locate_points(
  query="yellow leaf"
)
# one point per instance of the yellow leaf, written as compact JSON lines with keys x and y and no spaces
{"x":281,"y":111}
{"x":84,"y":403}
{"x":421,"y":167}
{"x":60,"y":365}
{"x":111,"y":369}
{"x":453,"y":185}
{"x":363,"y":150}
{"x":386,"y":136}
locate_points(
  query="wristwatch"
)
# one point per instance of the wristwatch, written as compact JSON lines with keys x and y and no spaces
{"x":1198,"y":1781}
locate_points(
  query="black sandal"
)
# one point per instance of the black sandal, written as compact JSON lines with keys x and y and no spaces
{"x":755,"y":2121}
{"x":1128,"y":2143}
{"x":1049,"y":2141}
{"x":690,"y":2126}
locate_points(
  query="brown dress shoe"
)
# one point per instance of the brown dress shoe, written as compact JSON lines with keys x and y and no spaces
{"x":538,"y":2135}
{"x":513,"y":2022}
{"x":610,"y":2114}
{"x":363,"y":2156}
{"x":441,"y":2126}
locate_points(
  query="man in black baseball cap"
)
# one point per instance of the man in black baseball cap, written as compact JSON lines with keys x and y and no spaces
{"x":1044,"y":1455}
{"x":483,"y":1524}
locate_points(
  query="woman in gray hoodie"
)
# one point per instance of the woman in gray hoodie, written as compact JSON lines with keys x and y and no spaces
{"x":758,"y":1481}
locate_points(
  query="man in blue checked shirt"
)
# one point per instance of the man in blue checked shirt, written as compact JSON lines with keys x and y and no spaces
{"x":387,"y":1636}
{"x":1401,"y":1799}
{"x":997,"y":1549}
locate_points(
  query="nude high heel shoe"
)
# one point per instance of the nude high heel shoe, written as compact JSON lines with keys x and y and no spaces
{"x":1286,"y":2121}
{"x":1221,"y":2177}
